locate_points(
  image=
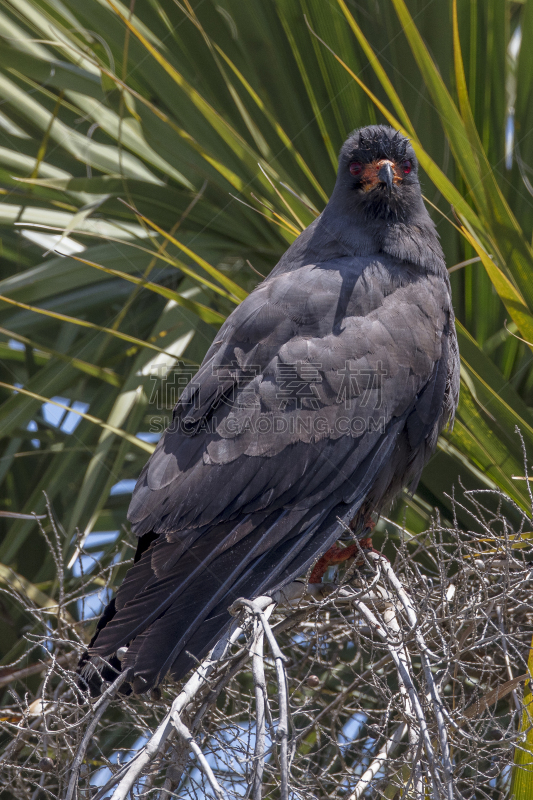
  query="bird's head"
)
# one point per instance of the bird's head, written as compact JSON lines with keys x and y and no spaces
{"x":378,"y":174}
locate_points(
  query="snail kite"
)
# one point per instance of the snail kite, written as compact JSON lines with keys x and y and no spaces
{"x":322,"y":397}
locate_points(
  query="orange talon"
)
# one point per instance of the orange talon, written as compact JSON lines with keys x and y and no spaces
{"x":336,"y":555}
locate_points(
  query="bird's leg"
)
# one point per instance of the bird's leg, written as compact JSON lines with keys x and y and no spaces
{"x":336,"y":554}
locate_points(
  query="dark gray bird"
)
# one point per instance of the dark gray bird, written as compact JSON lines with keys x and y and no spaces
{"x":322,"y":396}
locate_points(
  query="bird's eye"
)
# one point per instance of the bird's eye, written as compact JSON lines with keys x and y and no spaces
{"x":406,"y":166}
{"x":356,"y":168}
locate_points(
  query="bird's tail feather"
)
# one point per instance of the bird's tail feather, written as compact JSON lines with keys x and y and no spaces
{"x":170,"y":617}
{"x":152,"y":653}
{"x":291,"y":557}
{"x":188,"y":622}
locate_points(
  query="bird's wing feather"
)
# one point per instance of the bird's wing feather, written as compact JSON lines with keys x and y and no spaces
{"x":307,"y":358}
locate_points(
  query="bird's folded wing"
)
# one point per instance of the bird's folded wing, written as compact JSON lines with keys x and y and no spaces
{"x":304,"y":380}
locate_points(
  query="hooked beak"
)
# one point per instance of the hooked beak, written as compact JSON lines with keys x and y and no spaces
{"x":386,"y":176}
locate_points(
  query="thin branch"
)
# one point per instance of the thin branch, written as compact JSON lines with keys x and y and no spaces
{"x":258,"y":673}
{"x":102,"y":704}
{"x":187,"y":737}
{"x":380,"y":760}
{"x":401,"y":659}
{"x":425,"y":654}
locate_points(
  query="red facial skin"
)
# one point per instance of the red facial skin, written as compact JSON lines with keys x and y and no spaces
{"x":368,"y":173}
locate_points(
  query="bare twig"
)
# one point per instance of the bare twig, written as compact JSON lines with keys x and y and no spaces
{"x":426,"y":656}
{"x":282,"y":730}
{"x":380,"y":760}
{"x":100,"y":707}
{"x":402,"y":662}
{"x":187,"y":736}
{"x":432,"y":638}
{"x":258,"y":673}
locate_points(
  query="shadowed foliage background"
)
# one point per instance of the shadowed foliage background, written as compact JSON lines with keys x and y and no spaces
{"x":174,"y":150}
